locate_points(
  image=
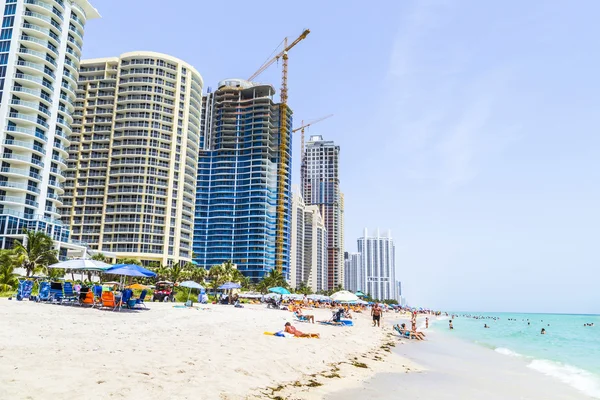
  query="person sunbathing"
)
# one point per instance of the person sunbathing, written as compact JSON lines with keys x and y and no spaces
{"x":409,"y":334}
{"x":289,"y":328}
{"x":307,"y":317}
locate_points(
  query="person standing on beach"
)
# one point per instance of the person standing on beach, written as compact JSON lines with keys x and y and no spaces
{"x":426,"y":322}
{"x":376,"y":313}
{"x":305,"y":301}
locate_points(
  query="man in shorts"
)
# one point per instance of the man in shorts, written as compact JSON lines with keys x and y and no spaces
{"x":376,"y":313}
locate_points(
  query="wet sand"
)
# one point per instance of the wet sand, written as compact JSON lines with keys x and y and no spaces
{"x":453,"y":369}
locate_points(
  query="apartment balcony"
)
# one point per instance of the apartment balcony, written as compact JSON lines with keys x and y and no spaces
{"x":26,"y":79}
{"x":29,"y":94}
{"x":19,"y":145}
{"x":33,"y":67}
{"x":19,"y":201}
{"x":20,"y":159}
{"x":19,"y":187}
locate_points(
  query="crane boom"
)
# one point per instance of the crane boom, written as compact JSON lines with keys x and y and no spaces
{"x":301,"y":128}
{"x":282,"y":167}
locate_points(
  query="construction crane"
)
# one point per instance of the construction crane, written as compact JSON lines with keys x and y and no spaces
{"x":283,"y":143}
{"x":301,"y":129}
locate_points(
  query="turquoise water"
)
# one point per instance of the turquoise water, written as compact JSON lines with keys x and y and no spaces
{"x":569,"y":351}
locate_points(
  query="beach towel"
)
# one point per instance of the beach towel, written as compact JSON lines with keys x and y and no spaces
{"x":280,"y":334}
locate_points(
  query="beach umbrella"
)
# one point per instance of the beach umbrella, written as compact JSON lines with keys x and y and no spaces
{"x":344,"y":296}
{"x":229,"y":285}
{"x":82,"y":265}
{"x":137,"y":286}
{"x":130,"y":270}
{"x":191,"y":285}
{"x":279,"y":290}
{"x":360,"y":294}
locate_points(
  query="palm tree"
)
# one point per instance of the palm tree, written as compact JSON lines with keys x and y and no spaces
{"x":37,"y":253}
{"x":129,"y":261}
{"x":303,"y":288}
{"x":8,"y":278}
{"x":272,"y":279}
{"x":197,"y":274}
{"x":217,"y":276}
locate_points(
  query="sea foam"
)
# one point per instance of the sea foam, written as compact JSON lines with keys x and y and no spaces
{"x":580,"y":379}
{"x":507,"y":352}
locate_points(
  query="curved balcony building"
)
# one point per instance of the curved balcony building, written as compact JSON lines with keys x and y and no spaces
{"x":133,"y":157}
{"x":40,"y":49}
{"x":237,"y":189}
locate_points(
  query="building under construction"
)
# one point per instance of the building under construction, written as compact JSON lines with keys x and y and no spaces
{"x":243,"y":202}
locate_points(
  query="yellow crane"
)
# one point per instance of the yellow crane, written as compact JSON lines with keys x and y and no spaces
{"x":283,"y":142}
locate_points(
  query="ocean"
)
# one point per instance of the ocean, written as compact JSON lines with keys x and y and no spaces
{"x":569,"y":351}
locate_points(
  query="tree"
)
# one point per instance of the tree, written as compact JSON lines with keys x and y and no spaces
{"x":37,"y":253}
{"x":8,"y":278}
{"x":303,"y":288}
{"x":129,"y":260}
{"x":177,"y":273}
{"x":99,"y":257}
{"x":197,"y":274}
{"x":272,"y":279}
{"x":217,"y":276}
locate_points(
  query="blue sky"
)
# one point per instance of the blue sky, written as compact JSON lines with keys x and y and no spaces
{"x":468,"y":128}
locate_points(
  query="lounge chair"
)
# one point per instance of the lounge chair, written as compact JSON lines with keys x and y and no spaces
{"x":44,"y":294}
{"x":56,"y":291}
{"x":125,"y":297}
{"x":300,"y":318}
{"x":97,"y":290}
{"x":140,"y":300}
{"x":69,"y":294}
{"x":24,"y":290}
{"x":108,"y":300}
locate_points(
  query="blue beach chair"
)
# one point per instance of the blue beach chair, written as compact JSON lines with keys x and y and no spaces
{"x":44,"y":294}
{"x":24,"y":290}
{"x":69,"y":293}
{"x":140,"y":300}
{"x":97,"y":289}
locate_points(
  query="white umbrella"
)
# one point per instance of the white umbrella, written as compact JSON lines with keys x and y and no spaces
{"x":84,"y":265}
{"x":191,"y":285}
{"x":344,"y":296}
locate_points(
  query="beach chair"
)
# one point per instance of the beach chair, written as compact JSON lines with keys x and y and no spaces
{"x":69,"y":294}
{"x":44,"y":294}
{"x":125,"y":297}
{"x":300,"y":318}
{"x":97,"y":290}
{"x":83,"y":291}
{"x":56,"y":291}
{"x":140,"y":300}
{"x":24,"y":290}
{"x":87,"y":299}
{"x":108,"y":300}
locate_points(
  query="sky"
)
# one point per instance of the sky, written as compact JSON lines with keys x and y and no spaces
{"x":467,"y":128}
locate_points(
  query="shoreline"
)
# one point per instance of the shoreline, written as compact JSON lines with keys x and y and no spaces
{"x":453,"y":368}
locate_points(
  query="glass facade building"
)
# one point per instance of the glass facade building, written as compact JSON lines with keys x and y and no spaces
{"x":237,"y":185}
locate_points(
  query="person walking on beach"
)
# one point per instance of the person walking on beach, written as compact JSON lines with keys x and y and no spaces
{"x":426,"y":322}
{"x":376,"y":313}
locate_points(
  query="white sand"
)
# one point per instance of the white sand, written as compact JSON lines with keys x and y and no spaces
{"x":220,"y":352}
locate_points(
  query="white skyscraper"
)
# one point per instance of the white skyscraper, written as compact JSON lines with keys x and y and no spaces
{"x":308,"y":247}
{"x":353,"y":273}
{"x":40,"y":48}
{"x":379,"y":266}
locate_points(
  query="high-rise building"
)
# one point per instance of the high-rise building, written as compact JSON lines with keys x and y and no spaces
{"x":315,"y":250}
{"x":353,"y":274}
{"x":321,"y":187}
{"x":297,"y":262}
{"x":40,"y":47}
{"x":133,"y":156}
{"x":243,"y":180}
{"x":377,"y":255}
{"x":308,"y":254}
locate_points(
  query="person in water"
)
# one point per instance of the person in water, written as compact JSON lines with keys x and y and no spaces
{"x":450,"y":324}
{"x":289,"y":328}
{"x":485,"y":326}
{"x":543,"y":332}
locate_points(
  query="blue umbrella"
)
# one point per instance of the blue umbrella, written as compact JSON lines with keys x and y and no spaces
{"x":279,"y":290}
{"x":130,"y":270}
{"x":360,"y":294}
{"x":229,"y":285}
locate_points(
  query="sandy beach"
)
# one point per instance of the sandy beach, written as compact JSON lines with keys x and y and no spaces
{"x":214,"y":352}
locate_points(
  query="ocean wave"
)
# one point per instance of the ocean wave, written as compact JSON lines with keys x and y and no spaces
{"x":580,"y":379}
{"x":507,"y":352}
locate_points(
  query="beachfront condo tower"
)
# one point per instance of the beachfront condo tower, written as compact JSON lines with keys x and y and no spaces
{"x":40,"y":47}
{"x":133,"y":157}
{"x":354,"y":279}
{"x":243,"y":202}
{"x":321,"y":187}
{"x":378,"y":264}
{"x":308,"y":247}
